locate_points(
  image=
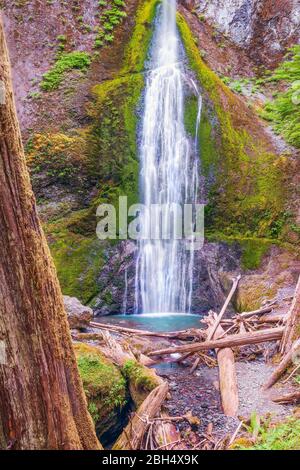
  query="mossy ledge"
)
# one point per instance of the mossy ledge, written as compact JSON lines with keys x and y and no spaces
{"x":141,"y":380}
{"x":104,"y":386}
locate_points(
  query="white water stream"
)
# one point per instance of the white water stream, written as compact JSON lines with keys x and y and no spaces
{"x":168,"y":172}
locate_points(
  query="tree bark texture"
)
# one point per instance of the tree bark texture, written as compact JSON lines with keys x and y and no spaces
{"x":42,"y":402}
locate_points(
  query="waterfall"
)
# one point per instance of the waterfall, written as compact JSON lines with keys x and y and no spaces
{"x":168,"y":172}
{"x":124,"y":305}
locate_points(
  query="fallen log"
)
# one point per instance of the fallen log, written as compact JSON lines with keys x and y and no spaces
{"x":289,"y":399}
{"x":227,"y":372}
{"x":293,"y":319}
{"x":218,"y":319}
{"x":132,"y":367}
{"x":183,"y":334}
{"x":231,"y":341}
{"x":254,"y":319}
{"x":132,"y":436}
{"x":224,"y":308}
{"x":284,"y":364}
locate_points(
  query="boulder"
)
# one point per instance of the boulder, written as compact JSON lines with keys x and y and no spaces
{"x":79,"y":316}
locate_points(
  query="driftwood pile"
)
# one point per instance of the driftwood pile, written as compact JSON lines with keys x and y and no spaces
{"x":156,"y":430}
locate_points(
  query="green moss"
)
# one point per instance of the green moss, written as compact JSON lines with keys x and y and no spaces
{"x":137,"y":50}
{"x":103,"y":383}
{"x":60,"y":157}
{"x":247,"y":194}
{"x":141,"y":380}
{"x":190,"y":115}
{"x":76,"y":60}
{"x":208,"y":148}
{"x":77,"y":256}
{"x":253,"y":251}
{"x":114,"y":134}
{"x":114,"y":113}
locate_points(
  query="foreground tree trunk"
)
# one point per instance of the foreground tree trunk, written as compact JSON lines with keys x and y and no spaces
{"x":42,"y":403}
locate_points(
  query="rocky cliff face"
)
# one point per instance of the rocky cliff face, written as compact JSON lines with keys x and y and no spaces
{"x":215,"y":265}
{"x":266,"y":28}
{"x":81,"y":134}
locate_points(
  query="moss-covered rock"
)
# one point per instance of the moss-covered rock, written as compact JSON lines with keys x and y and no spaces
{"x":141,"y":380}
{"x":105,"y":389}
{"x":248,"y":191}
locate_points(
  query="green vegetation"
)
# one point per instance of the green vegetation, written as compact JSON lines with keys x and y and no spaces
{"x":102,"y":156}
{"x":190,"y":114}
{"x":110,"y":18}
{"x":78,"y":257}
{"x":253,"y":251}
{"x":103,"y":383}
{"x":208,"y":147}
{"x":114,"y":114}
{"x":279,"y":436}
{"x":66,"y":62}
{"x":141,"y":380}
{"x":246,"y":193}
{"x":284,"y":111}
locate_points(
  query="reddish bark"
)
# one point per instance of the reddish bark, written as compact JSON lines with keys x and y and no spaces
{"x":42,"y":403}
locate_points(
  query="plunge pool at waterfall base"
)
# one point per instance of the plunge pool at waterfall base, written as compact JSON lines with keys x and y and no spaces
{"x":162,"y":322}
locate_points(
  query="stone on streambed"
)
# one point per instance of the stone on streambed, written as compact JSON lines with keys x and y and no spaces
{"x":79,"y":316}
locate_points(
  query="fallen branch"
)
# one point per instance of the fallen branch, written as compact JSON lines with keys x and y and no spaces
{"x":214,"y":327}
{"x":224,"y":308}
{"x":291,"y":374}
{"x":183,"y":334}
{"x":289,"y":399}
{"x":293,"y":317}
{"x":267,"y":309}
{"x":284,"y":364}
{"x":234,"y":436}
{"x":256,"y":337}
{"x":132,"y":436}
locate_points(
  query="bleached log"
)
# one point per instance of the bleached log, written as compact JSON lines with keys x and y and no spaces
{"x":224,"y":308}
{"x":231,"y":341}
{"x":293,"y":318}
{"x":182,"y":335}
{"x":284,"y":364}
{"x":227,"y":372}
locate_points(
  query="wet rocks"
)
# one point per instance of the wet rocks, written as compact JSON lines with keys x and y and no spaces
{"x":214,"y":267}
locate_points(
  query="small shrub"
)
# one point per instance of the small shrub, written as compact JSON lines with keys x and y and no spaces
{"x":74,"y":60}
{"x":284,"y":111}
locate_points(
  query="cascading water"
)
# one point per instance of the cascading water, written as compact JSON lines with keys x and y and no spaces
{"x":169,"y":173}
